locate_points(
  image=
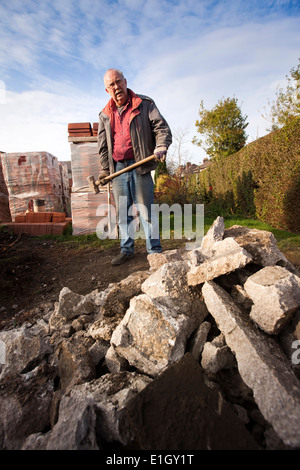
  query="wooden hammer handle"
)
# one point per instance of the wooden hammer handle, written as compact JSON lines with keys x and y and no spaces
{"x":131,"y":167}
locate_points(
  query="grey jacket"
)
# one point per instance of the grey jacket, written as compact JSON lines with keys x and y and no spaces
{"x":148,"y":130}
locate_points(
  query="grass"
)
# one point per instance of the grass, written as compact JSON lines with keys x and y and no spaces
{"x":286,"y":240}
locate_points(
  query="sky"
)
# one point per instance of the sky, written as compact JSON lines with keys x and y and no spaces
{"x":53,"y":55}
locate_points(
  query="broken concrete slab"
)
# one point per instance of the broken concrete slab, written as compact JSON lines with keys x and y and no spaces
{"x":275,"y":293}
{"x":261,"y":244}
{"x":156,"y":260}
{"x":168,"y":281}
{"x":103,"y":400}
{"x":75,"y":364}
{"x":214,"y":234}
{"x":261,"y":364}
{"x":217,"y":355}
{"x":227,"y":257}
{"x":71,"y":304}
{"x":152,"y":335}
{"x":24,"y":350}
{"x":197,"y":340}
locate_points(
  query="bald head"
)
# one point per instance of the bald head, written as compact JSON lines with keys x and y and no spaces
{"x":116,"y":86}
{"x":107,"y":73}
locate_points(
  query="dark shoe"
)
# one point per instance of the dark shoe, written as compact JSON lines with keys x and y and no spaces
{"x":121,"y":258}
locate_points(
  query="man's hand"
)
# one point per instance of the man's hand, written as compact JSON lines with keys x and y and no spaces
{"x":101,"y":178}
{"x":160,"y":153}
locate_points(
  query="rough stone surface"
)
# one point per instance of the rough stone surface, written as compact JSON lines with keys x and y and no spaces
{"x":152,"y":335}
{"x":72,"y":305}
{"x":102,"y":400}
{"x":214,"y":234}
{"x":196,"y":257}
{"x":114,"y":305}
{"x":261,"y":363}
{"x":261,"y":244}
{"x":216,"y":356}
{"x":275,"y":293}
{"x":75,"y":364}
{"x":156,"y":260}
{"x":198,"y":339}
{"x":227,"y":257}
{"x":168,"y":281}
{"x":24,"y":350}
{"x":110,"y":370}
{"x":25,"y":405}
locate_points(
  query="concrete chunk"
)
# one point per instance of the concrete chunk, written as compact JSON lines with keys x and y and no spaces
{"x":156,"y":260}
{"x":276,"y":295}
{"x":217,"y":355}
{"x":71,"y":304}
{"x":261,"y":363}
{"x":214,"y":234}
{"x":152,"y":335}
{"x":261,"y":244}
{"x":227,"y":257}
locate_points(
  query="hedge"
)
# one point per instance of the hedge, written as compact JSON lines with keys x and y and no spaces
{"x":262,"y":180}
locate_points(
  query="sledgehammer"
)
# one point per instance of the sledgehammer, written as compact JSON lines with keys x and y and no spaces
{"x":94,"y":185}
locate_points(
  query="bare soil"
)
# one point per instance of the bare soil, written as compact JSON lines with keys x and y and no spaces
{"x":34,"y":270}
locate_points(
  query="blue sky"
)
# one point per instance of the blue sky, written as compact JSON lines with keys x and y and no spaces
{"x":53,"y":55}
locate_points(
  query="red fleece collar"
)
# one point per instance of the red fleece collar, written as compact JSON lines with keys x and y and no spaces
{"x":111,"y":106}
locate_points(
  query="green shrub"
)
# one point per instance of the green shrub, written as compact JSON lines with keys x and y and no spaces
{"x":261,"y":180}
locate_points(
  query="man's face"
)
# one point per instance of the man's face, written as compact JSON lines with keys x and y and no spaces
{"x":116,"y":86}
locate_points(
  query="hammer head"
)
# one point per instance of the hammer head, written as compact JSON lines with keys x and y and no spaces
{"x":92,"y":184}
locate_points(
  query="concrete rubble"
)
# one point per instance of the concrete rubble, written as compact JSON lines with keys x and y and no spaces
{"x":199,"y":352}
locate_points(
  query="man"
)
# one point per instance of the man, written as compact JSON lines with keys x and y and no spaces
{"x":131,"y":128}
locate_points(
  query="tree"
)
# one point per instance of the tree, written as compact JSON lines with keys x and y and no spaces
{"x":224,"y":127}
{"x":287,"y":102}
{"x":178,"y":155}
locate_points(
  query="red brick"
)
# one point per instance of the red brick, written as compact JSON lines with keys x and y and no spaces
{"x":79,"y":125}
{"x":20,"y":218}
{"x":38,"y":217}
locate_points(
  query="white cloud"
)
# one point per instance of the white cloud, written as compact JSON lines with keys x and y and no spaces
{"x":38,"y":121}
{"x":54,"y":55}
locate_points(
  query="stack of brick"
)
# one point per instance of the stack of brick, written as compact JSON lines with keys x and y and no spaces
{"x":88,"y":209}
{"x":4,"y":205}
{"x":91,"y":211}
{"x":80,"y":129}
{"x":95,"y":128}
{"x":40,"y":223}
{"x":84,"y":204}
{"x":35,"y":175}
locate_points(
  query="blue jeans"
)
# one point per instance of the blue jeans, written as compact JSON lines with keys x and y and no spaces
{"x":132,"y":188}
